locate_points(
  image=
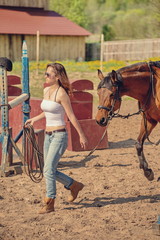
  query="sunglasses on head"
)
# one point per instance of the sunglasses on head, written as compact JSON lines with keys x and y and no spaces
{"x":47,"y":74}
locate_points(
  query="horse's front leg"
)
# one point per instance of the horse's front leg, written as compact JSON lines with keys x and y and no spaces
{"x":139,"y":147}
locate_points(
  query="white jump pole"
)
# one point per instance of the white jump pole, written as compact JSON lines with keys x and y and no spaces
{"x":20,"y":99}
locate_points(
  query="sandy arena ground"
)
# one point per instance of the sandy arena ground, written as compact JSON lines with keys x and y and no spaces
{"x":117,"y":203}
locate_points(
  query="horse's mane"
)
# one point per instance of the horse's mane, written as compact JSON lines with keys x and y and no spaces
{"x":140,"y":67}
{"x":137,"y":67}
{"x":134,"y":67}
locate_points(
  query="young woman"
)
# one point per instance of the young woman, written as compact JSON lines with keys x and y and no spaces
{"x":55,"y":104}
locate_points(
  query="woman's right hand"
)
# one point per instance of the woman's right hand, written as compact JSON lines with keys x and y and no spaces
{"x":34,"y":119}
{"x":30,"y":121}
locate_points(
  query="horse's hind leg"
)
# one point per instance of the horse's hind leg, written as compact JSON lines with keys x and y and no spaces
{"x":139,"y":147}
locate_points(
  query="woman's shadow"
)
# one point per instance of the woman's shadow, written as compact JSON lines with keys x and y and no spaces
{"x":76,"y":164}
{"x":104,"y":201}
{"x":129,"y":143}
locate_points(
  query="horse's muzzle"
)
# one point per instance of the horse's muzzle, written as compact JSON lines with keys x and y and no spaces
{"x":103,"y":122}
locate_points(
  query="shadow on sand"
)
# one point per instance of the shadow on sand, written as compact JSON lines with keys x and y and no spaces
{"x":104,"y":201}
{"x":129,"y":143}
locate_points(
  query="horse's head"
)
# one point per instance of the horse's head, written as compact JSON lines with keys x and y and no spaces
{"x":109,"y":98}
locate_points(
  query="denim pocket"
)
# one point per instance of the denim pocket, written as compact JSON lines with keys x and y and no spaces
{"x":61,"y":139}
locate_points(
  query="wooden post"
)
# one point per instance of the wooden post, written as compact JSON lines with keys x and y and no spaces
{"x":101,"y":54}
{"x":37,"y":53}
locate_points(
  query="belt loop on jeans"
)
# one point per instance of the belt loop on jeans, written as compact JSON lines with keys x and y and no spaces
{"x":55,"y":131}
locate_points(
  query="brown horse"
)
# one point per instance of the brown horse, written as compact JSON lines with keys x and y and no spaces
{"x":142,"y":82}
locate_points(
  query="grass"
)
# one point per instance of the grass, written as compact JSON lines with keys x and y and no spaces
{"x":75,"y":70}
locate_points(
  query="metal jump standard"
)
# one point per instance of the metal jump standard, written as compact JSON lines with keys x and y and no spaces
{"x":5,"y":136}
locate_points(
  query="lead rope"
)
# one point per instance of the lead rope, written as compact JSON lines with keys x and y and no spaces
{"x":111,"y":115}
{"x":32,"y":156}
{"x":105,"y":131}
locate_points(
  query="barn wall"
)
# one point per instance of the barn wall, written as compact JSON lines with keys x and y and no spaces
{"x":51,"y":47}
{"x":62,"y":47}
{"x":25,"y":3}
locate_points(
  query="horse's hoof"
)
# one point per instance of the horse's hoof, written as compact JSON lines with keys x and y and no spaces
{"x":149,"y":174}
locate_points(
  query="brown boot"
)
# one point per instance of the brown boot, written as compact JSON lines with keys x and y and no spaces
{"x":49,"y":205}
{"x":75,"y":188}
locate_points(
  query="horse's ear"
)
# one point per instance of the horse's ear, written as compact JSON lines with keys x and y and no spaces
{"x":100,"y":75}
{"x":114,"y":76}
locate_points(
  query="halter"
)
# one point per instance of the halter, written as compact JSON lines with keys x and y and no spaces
{"x":116,"y":96}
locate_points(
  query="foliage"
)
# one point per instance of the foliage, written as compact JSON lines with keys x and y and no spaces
{"x":131,"y":29}
{"x":117,"y":19}
{"x":72,"y":9}
{"x":107,"y":32}
{"x":155,"y":7}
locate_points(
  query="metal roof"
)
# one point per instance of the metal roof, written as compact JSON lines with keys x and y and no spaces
{"x":29,"y":21}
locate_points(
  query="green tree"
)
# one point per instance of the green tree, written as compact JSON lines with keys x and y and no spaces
{"x":94,"y":11}
{"x":117,"y":19}
{"x":133,"y":24}
{"x":107,"y":32}
{"x":71,"y":9}
{"x":116,"y":4}
{"x":77,"y":13}
{"x":155,"y":7}
{"x":60,"y":6}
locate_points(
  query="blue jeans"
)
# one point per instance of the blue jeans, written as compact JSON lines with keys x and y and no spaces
{"x":54,"y":147}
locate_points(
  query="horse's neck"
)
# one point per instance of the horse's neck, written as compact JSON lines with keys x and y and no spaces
{"x":136,"y":84}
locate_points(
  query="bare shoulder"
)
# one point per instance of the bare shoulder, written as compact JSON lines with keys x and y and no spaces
{"x":62,"y":95}
{"x":62,"y":92}
{"x":46,"y":89}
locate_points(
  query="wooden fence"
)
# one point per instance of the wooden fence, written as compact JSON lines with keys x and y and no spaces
{"x":131,"y":49}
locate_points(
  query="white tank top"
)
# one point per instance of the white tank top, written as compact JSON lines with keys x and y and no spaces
{"x":54,"y":113}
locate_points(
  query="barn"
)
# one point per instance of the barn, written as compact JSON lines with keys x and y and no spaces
{"x":58,"y":38}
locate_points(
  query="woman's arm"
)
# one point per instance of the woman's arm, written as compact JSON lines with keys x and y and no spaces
{"x":38,"y":117}
{"x":65,"y":101}
{"x":35,"y":119}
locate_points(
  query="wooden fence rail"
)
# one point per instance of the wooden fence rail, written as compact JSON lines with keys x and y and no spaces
{"x":140,"y":49}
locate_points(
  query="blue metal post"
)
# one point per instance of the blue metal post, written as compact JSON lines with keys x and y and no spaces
{"x":25,"y":81}
{"x":25,"y":88}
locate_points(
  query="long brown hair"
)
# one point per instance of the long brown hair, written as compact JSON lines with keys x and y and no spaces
{"x":61,"y":73}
